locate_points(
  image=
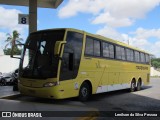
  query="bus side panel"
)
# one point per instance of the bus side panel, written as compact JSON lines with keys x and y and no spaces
{"x":119,"y":74}
{"x":92,"y":71}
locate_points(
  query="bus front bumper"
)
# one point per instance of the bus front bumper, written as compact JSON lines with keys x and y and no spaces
{"x":43,"y":92}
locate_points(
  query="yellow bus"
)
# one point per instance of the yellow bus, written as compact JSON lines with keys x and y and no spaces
{"x":66,"y":63}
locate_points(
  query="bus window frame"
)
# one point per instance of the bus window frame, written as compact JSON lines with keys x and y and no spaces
{"x":114,"y":46}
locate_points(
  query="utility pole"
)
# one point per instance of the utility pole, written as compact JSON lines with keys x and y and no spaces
{"x":32,"y":16}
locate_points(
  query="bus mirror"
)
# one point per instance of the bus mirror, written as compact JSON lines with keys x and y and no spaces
{"x":58,"y":46}
{"x":12,"y":51}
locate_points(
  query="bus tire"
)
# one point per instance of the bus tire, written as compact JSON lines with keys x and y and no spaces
{"x":133,"y":85}
{"x":84,"y":92}
{"x":138,"y":88}
{"x":15,"y":87}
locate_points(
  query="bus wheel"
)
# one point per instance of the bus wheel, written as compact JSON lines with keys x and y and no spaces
{"x":15,"y":87}
{"x":133,"y":86}
{"x":139,"y":85}
{"x":84,"y":92}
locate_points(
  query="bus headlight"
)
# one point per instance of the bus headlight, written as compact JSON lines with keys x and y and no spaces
{"x":50,"y":84}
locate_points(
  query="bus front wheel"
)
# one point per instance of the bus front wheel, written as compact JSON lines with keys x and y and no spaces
{"x":84,"y":92}
{"x":133,"y":86}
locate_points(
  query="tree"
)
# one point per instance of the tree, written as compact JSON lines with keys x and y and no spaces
{"x":155,"y":62}
{"x":16,"y":51}
{"x":12,"y":40}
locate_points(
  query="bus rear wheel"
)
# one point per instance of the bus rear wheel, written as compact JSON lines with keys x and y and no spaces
{"x":138,"y":85}
{"x":84,"y":92}
{"x":133,"y":86}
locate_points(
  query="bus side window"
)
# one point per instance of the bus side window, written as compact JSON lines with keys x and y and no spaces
{"x":97,"y":48}
{"x":89,"y":47}
{"x":92,"y":47}
{"x":118,"y":53}
{"x":123,"y":53}
{"x":108,"y":50}
{"x":68,"y":61}
{"x":147,"y":58}
{"x":130,"y":55}
{"x":142,"y":57}
{"x":137,"y":57}
{"x":71,"y":61}
{"x":71,"y":56}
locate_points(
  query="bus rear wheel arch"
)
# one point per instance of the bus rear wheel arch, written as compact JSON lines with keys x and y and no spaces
{"x":85,"y":91}
{"x":133,"y":85}
{"x":139,"y":84}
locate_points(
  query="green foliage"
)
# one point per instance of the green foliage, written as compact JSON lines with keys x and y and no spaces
{"x":155,"y":62}
{"x":12,"y":40}
{"x":16,"y":51}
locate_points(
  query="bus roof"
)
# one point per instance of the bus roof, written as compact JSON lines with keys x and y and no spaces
{"x":98,"y":37}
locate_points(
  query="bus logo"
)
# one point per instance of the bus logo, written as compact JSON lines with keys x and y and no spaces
{"x":6,"y":114}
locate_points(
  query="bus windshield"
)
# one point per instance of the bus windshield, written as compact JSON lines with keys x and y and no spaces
{"x":39,"y":48}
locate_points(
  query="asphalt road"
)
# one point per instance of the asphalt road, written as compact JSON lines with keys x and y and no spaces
{"x":148,"y":99}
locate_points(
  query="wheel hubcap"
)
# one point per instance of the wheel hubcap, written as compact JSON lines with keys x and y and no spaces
{"x":133,"y":85}
{"x":84,"y":92}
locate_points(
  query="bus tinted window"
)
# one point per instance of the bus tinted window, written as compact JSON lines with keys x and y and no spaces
{"x":118,"y":53}
{"x":96,"y":48}
{"x":108,"y":50}
{"x":71,"y":56}
{"x":123,"y":54}
{"x":89,"y":46}
{"x":137,"y":58}
{"x":147,"y":58}
{"x":142,"y":57}
{"x":111,"y":51}
{"x":130,"y":55}
{"x":92,"y":47}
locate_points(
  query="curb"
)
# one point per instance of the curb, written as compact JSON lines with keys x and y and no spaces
{"x":10,"y":96}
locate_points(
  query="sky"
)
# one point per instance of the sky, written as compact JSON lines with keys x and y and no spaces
{"x":134,"y":22}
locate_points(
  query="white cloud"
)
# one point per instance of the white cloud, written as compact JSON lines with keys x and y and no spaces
{"x":139,"y":38}
{"x":110,"y":33}
{"x":130,"y":8}
{"x":2,"y":38}
{"x":8,"y":23}
{"x":154,"y":48}
{"x":147,"y":33}
{"x":106,"y":18}
{"x":113,"y":13}
{"x":118,"y":13}
{"x":9,"y":19}
{"x":73,"y":7}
